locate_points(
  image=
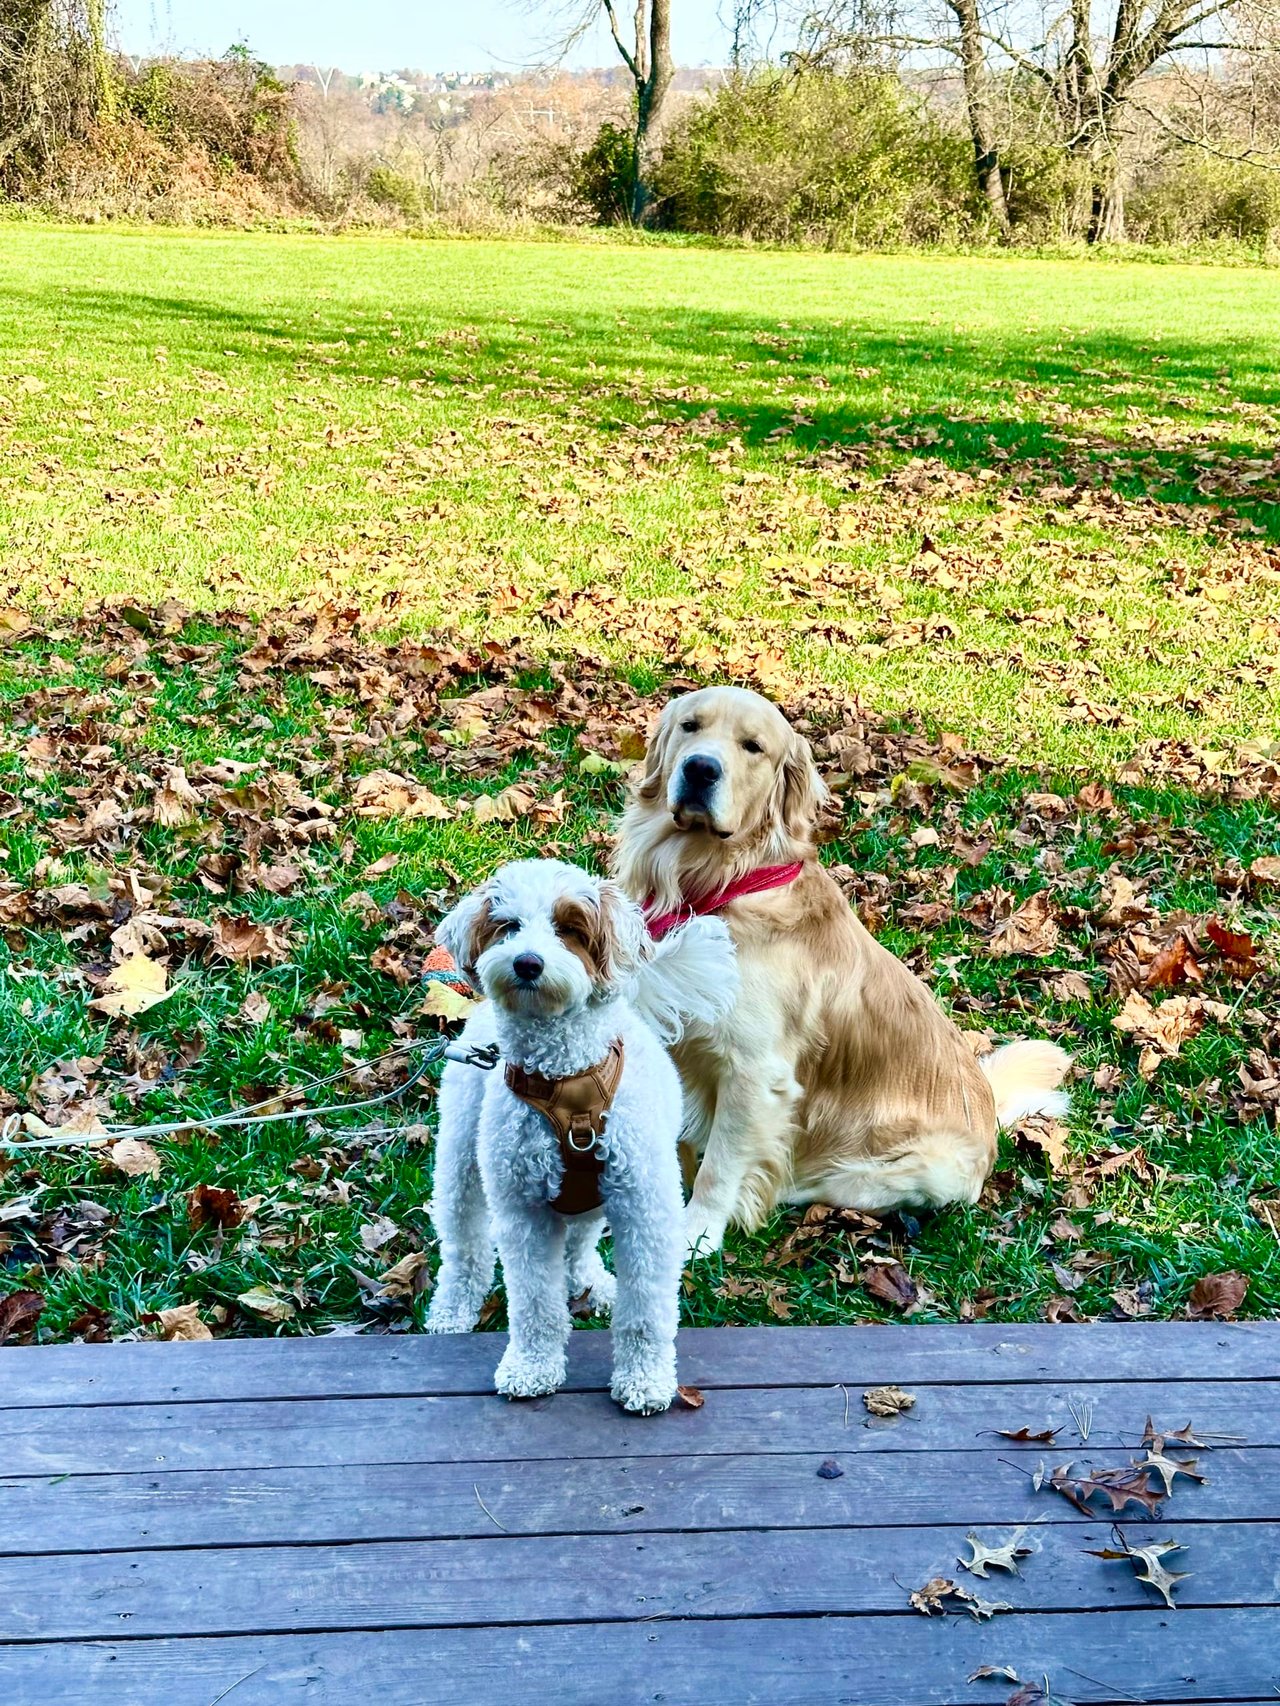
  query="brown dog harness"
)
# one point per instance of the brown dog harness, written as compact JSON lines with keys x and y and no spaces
{"x":576,"y":1108}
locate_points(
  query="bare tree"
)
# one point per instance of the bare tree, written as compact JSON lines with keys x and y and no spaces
{"x":644,"y":46}
{"x":1089,"y":59}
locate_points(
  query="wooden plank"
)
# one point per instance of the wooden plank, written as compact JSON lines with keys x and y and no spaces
{"x":60,"y":1375}
{"x":102,"y":1513}
{"x":1161,"y":1658}
{"x":595,"y":1578}
{"x":735,"y":1421}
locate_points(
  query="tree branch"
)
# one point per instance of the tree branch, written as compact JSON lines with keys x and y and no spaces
{"x":628,"y":59}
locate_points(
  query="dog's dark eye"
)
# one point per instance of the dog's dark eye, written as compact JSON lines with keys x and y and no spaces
{"x":573,"y":933}
{"x":691,"y":725}
{"x":752,"y":746}
{"x":504,"y":927}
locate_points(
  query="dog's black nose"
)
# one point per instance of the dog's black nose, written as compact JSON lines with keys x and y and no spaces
{"x":527,"y":967}
{"x":699,"y":774}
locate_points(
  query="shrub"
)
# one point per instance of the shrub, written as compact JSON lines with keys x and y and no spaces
{"x":1189,"y":197}
{"x":840,"y":159}
{"x":603,"y":175}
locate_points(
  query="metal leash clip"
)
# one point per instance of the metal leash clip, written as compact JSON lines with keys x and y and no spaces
{"x":484,"y":1056}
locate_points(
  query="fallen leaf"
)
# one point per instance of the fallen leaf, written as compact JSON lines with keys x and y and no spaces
{"x":888,"y":1400}
{"x":255,"y":1009}
{"x":267,"y":1304}
{"x":1125,"y":1485}
{"x":932,"y":1597}
{"x":889,"y":1282}
{"x":384,"y":793}
{"x":136,"y":1157}
{"x":133,"y":986}
{"x":214,"y":1204}
{"x":1161,"y":1030}
{"x":442,"y":1001}
{"x":1024,"y":1436}
{"x":1239,"y":953}
{"x":1265,"y":869}
{"x":409,"y":1277}
{"x":1217,"y":1296}
{"x":19,"y":1312}
{"x":1124,"y":904}
{"x":1147,"y":1564}
{"x":182,"y":1323}
{"x":1169,"y":1468}
{"x":1031,"y":930}
{"x":241,"y":940}
{"x":376,"y":1234}
{"x":1070,"y":986}
{"x":1002,"y":1557}
{"x":1051,"y":1137}
{"x":690,"y":1397}
{"x":1175,"y":963}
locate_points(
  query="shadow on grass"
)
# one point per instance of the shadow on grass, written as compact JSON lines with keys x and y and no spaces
{"x":1036,"y":410}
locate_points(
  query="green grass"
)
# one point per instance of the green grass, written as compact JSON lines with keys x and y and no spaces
{"x":1028,"y":504}
{"x":745,"y":451}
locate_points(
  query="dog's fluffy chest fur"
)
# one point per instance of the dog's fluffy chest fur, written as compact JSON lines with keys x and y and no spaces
{"x":518,"y":1143}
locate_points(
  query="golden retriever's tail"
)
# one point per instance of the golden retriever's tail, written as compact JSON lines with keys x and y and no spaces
{"x":1025,"y":1079}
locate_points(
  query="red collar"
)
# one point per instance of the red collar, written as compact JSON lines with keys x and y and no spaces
{"x":764,"y":877}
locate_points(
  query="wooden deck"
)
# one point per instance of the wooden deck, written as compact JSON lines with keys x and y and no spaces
{"x":359,"y":1519}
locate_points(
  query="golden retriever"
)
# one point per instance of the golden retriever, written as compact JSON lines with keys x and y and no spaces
{"x":837,"y":1077}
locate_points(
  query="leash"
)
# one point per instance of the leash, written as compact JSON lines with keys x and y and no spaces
{"x":437,"y":1048}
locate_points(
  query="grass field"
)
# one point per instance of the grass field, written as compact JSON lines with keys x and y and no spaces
{"x":1006,"y":532}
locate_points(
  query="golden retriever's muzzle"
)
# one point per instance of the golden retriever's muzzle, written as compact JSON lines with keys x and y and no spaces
{"x":694,"y":805}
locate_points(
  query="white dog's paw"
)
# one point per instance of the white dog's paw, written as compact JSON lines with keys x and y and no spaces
{"x":601,"y":1292}
{"x":450,"y":1321}
{"x":643,"y":1393}
{"x":520,"y":1375}
{"x":703,"y":1232}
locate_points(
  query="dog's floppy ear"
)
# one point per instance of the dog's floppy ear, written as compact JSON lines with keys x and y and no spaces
{"x":621,"y":938}
{"x":464,"y":930}
{"x":804,"y":793}
{"x":653,"y":783}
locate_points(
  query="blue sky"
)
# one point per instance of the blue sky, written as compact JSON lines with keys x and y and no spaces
{"x":383,"y":35}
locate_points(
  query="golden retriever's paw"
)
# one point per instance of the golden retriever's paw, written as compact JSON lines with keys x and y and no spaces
{"x":703,"y":1232}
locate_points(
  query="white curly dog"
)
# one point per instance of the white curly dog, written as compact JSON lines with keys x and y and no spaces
{"x":579,"y":1125}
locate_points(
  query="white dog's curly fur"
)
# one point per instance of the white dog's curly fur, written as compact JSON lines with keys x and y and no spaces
{"x":498,"y":1165}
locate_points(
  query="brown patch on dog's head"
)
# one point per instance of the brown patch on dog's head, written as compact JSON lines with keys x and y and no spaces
{"x":471,"y":928}
{"x":605,"y":938}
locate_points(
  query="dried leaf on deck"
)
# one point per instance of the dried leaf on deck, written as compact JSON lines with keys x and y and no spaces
{"x":888,"y":1400}
{"x":1024,"y":1436}
{"x":935,"y":1594}
{"x":1002,"y":1557}
{"x":1148,"y":1565}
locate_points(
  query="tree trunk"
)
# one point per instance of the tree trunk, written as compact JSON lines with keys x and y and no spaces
{"x":653,"y":87}
{"x":1106,"y":204}
{"x":986,"y":153}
